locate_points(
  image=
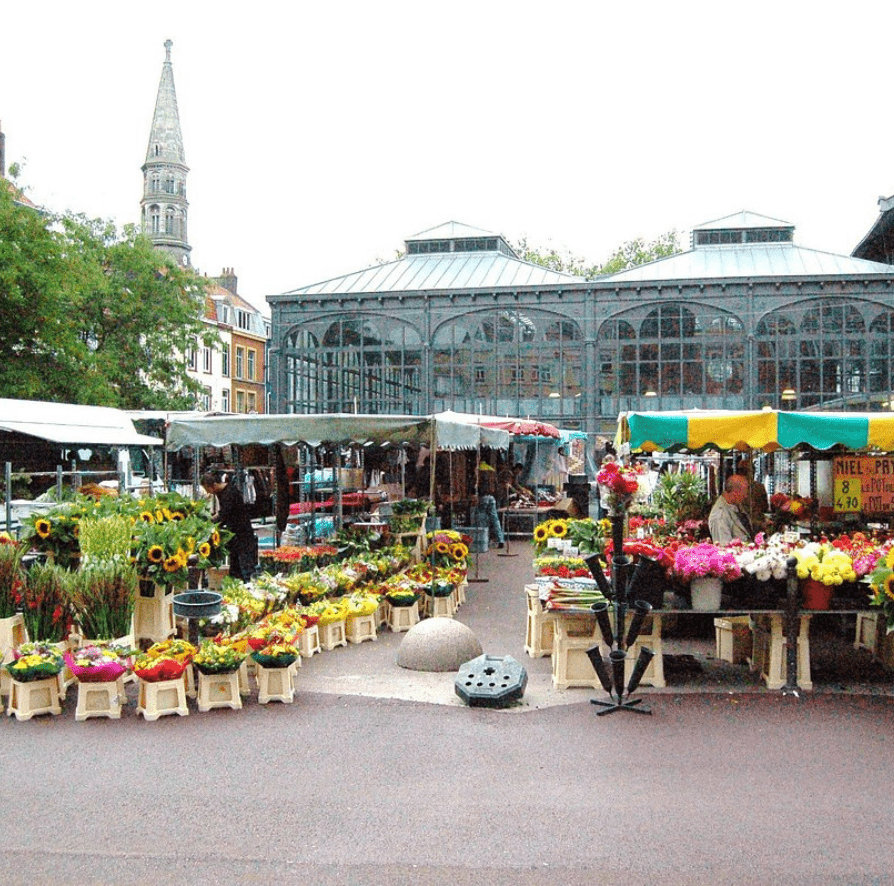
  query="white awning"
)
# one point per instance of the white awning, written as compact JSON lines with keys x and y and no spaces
{"x":332,"y":428}
{"x":71,"y":424}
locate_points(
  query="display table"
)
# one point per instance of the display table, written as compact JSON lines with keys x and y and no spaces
{"x":769,"y":641}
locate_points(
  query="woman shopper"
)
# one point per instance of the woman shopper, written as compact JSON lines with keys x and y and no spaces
{"x":232,"y":514}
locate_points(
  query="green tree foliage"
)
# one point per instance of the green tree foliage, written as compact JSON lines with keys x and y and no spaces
{"x":91,"y":315}
{"x":629,"y":255}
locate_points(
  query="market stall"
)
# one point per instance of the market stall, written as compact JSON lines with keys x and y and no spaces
{"x":768,"y":585}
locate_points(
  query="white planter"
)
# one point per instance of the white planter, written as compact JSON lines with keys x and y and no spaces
{"x":706,"y":594}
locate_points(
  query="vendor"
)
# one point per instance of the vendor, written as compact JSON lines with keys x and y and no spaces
{"x":485,"y":504}
{"x":727,"y":520}
{"x":756,"y":504}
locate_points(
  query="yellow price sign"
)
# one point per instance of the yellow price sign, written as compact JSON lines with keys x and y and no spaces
{"x":848,"y":492}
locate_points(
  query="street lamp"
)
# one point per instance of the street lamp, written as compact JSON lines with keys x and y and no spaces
{"x":788,"y":398}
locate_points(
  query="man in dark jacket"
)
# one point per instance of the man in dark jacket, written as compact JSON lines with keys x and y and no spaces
{"x":233,"y":515}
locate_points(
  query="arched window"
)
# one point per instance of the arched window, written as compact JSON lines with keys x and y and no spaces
{"x":170,"y":221}
{"x":357,"y":363}
{"x":823,"y":350}
{"x":509,"y":361}
{"x":673,"y":356}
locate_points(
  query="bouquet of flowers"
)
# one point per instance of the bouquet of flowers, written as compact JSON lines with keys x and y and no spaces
{"x":98,"y":662}
{"x":44,"y":600}
{"x":622,"y":484}
{"x":35,"y":661}
{"x":543,"y":532}
{"x":765,"y":561}
{"x":164,"y":661}
{"x":446,"y":547}
{"x":277,"y":654}
{"x":298,"y":558}
{"x":706,"y":561}
{"x":561,"y":567}
{"x":219,"y":657}
{"x":881,"y":585}
{"x":362,"y":603}
{"x":11,"y":576}
{"x":825,"y":564}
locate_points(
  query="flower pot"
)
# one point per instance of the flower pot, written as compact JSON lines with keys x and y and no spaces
{"x":815,"y":594}
{"x":706,"y":593}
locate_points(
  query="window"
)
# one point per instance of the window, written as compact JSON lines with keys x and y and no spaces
{"x":225,"y":362}
{"x":225,"y":399}
{"x":206,"y":359}
{"x":192,"y":360}
{"x":250,"y":368}
{"x":154,"y":220}
{"x":243,"y":319}
{"x":206,"y":399}
{"x":240,"y":363}
{"x":169,"y":221}
{"x":479,"y":373}
{"x":240,"y":401}
{"x":252,"y":401}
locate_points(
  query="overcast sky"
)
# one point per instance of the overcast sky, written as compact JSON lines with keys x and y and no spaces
{"x":320,"y":135}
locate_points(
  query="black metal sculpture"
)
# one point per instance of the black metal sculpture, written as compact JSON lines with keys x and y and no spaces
{"x":612,"y":678}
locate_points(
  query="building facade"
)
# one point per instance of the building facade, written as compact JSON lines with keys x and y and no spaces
{"x":460,"y":322}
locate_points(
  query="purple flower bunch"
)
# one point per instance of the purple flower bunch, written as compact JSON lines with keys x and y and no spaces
{"x":706,"y":561}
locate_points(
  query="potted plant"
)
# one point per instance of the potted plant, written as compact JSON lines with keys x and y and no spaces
{"x":12,"y":631}
{"x":821,"y":568}
{"x":705,"y":567}
{"x":45,"y":603}
{"x":680,"y":497}
{"x":102,"y":598}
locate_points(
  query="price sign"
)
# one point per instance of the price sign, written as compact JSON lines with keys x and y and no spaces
{"x":848,"y":494}
{"x":863,"y":484}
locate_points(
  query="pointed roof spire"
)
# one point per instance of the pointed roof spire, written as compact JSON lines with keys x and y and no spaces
{"x":165,"y":138}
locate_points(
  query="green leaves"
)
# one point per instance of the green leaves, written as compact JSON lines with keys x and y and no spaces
{"x":92,"y":315}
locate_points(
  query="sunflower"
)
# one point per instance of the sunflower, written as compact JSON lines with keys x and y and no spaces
{"x":442,"y":547}
{"x":43,"y":527}
{"x":889,"y":560}
{"x":168,"y":515}
{"x":215,"y":538}
{"x":204,"y":549}
{"x":172,"y":563}
{"x":559,"y":528}
{"x":155,"y":554}
{"x":541,"y":533}
{"x":190,"y":544}
{"x":147,"y":516}
{"x":889,"y":586}
{"x":459,"y":551}
{"x":177,"y":516}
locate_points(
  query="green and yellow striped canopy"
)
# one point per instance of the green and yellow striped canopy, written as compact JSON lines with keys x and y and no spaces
{"x":767,"y":430}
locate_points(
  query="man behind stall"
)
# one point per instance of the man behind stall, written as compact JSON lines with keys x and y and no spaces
{"x":727,"y":520}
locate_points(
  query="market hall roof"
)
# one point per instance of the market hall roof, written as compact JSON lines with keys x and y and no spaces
{"x":748,"y":245}
{"x":449,"y":256}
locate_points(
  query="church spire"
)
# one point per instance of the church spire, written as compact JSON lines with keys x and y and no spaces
{"x":164,"y":205}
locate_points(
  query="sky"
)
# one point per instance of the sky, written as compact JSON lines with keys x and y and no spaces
{"x":320,"y":136}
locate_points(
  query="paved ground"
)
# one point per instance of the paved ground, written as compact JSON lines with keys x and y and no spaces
{"x":377,"y":775}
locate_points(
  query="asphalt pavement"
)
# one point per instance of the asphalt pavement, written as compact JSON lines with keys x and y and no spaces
{"x":380,"y":775}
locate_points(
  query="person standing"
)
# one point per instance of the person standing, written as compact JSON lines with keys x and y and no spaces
{"x":232,"y":514}
{"x":727,"y":520}
{"x":486,"y":513}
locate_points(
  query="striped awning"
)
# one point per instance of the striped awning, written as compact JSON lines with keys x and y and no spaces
{"x":765,"y":429}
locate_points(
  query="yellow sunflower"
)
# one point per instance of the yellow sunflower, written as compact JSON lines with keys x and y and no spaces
{"x":172,"y":563}
{"x":205,"y":549}
{"x":147,"y":516}
{"x":889,"y":586}
{"x":442,"y":547}
{"x":155,"y":554}
{"x":215,"y":538}
{"x":541,"y":533}
{"x":177,"y":515}
{"x":459,"y":551}
{"x":889,"y":560}
{"x":43,"y":527}
{"x":559,"y":528}
{"x":167,"y":513}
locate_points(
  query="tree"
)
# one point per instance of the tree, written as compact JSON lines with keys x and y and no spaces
{"x":629,"y":255}
{"x":94,"y":316}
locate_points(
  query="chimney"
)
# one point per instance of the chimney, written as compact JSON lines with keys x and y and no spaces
{"x":228,"y":280}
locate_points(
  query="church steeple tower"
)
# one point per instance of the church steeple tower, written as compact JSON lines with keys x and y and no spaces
{"x":164,"y":206}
